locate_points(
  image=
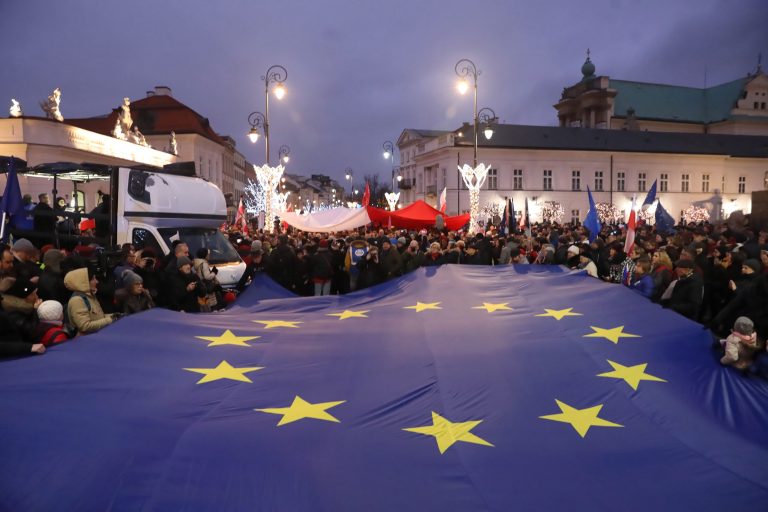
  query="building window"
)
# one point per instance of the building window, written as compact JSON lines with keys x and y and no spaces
{"x":575,"y":180}
{"x":517,"y":179}
{"x":575,"y":217}
{"x":663,"y":182}
{"x":493,"y":179}
{"x":742,"y":184}
{"x":641,"y":182}
{"x":445,"y":179}
{"x":547,"y":179}
{"x":684,"y":182}
{"x":620,"y":181}
{"x":598,"y":181}
{"x":705,"y":182}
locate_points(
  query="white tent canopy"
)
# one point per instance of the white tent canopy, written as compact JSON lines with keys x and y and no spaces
{"x":327,"y":221}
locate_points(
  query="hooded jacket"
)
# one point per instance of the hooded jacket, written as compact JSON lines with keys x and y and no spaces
{"x":83,"y":309}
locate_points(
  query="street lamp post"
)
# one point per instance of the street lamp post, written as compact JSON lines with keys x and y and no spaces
{"x":389,"y":154}
{"x":349,"y":175}
{"x":256,"y":120}
{"x":488,"y":118}
{"x":275,"y":74}
{"x":283,"y":154}
{"x":466,"y":68}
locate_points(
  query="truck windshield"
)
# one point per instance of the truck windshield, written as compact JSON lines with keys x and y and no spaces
{"x":221,"y":250}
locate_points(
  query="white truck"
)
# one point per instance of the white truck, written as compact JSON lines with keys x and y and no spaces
{"x":146,"y":206}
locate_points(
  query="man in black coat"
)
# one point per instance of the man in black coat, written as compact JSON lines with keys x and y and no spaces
{"x":688,"y":291}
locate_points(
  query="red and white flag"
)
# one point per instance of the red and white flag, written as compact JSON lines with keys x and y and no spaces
{"x":367,"y":195}
{"x":443,"y":200}
{"x":240,"y":219}
{"x":630,"y":241}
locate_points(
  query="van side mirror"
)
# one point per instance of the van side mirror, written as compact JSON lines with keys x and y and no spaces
{"x":137,"y":186}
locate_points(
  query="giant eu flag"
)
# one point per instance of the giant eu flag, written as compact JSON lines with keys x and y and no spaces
{"x":456,"y":388}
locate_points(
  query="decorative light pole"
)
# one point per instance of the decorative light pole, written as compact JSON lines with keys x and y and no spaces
{"x":465,"y":68}
{"x":389,"y":154}
{"x":349,"y":175}
{"x":283,"y":154}
{"x":392,"y":199}
{"x":474,"y":176}
{"x":488,"y":118}
{"x":277,"y":75}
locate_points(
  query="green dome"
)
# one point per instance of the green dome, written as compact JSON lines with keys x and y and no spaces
{"x":588,"y":69}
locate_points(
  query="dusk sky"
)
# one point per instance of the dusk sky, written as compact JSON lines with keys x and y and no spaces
{"x":359,"y":72}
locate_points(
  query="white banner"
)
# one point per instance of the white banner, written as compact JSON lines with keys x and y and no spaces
{"x":327,"y":221}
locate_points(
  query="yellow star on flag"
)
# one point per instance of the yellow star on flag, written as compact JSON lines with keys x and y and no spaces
{"x":301,"y":409}
{"x":559,"y":314}
{"x":631,"y":374}
{"x":228,"y":338}
{"x":423,"y":306}
{"x":224,"y":371}
{"x":350,"y":314}
{"x":610,"y":334}
{"x":580,"y":419}
{"x":271,"y":324}
{"x":491,"y":307}
{"x":446,"y":433}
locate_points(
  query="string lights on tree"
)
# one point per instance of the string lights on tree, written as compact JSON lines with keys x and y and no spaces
{"x":269,"y":179}
{"x":552,"y":211}
{"x":608,"y":213}
{"x":695,"y":214}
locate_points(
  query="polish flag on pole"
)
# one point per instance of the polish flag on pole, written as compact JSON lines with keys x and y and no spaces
{"x":443,"y":200}
{"x":240,"y":217}
{"x":630,"y":242}
{"x":367,"y":195}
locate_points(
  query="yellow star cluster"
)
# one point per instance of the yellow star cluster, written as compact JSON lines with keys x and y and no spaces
{"x":445,"y":432}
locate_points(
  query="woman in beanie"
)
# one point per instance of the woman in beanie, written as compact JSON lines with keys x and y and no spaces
{"x":134,"y":297}
{"x":185,"y":288}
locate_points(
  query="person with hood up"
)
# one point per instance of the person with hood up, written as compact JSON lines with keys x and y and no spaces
{"x":84,"y":311}
{"x":51,"y":283}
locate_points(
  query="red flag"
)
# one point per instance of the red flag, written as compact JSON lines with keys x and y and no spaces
{"x":240,"y":217}
{"x":630,"y":241}
{"x":367,"y":195}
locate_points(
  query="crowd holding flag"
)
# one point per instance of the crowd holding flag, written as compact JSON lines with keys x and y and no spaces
{"x":12,"y":203}
{"x":630,"y":241}
{"x":592,"y":222}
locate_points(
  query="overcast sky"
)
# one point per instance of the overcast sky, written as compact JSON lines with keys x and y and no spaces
{"x":361,"y":71}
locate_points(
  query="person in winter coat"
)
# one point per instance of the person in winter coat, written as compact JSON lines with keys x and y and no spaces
{"x":19,"y":302}
{"x":687,"y":292}
{"x":661,"y":268}
{"x":11,"y":341}
{"x":50,"y":329}
{"x":642,"y":281}
{"x":371,"y":270}
{"x":740,"y":345}
{"x":207,"y":276}
{"x":51,"y":283}
{"x":133,"y":296}
{"x":434,"y":258}
{"x":184,"y":288}
{"x":391,"y":261}
{"x":321,"y":269}
{"x":412,"y":257}
{"x":84,"y":312}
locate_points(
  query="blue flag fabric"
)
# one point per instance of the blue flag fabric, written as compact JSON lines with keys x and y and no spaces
{"x":459,"y":390}
{"x":664,"y":221}
{"x":12,"y":203}
{"x":650,"y":198}
{"x":507,"y":218}
{"x":592,"y":221}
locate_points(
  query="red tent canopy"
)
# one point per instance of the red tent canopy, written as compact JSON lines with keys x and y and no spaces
{"x":417,"y":215}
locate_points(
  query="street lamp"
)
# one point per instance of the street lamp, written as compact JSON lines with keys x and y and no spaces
{"x":488,"y":118}
{"x":465,"y":68}
{"x":283,"y":154}
{"x":389,"y":154}
{"x":277,"y":75}
{"x":256,"y":120}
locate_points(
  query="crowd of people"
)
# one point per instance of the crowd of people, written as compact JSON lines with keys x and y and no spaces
{"x":716,"y":275}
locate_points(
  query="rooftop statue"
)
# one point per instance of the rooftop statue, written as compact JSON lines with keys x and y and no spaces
{"x":174,"y":146}
{"x":15,"y":108}
{"x":124,"y":121}
{"x":51,"y":106}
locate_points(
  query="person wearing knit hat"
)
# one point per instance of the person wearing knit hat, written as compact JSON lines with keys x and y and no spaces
{"x":25,"y":259}
{"x":183,"y":260}
{"x":184,"y":288}
{"x":23,"y":245}
{"x":740,"y":345}
{"x":751,"y":266}
{"x":134,"y":297}
{"x":50,"y":329}
{"x":50,"y":286}
{"x":256,"y":246}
